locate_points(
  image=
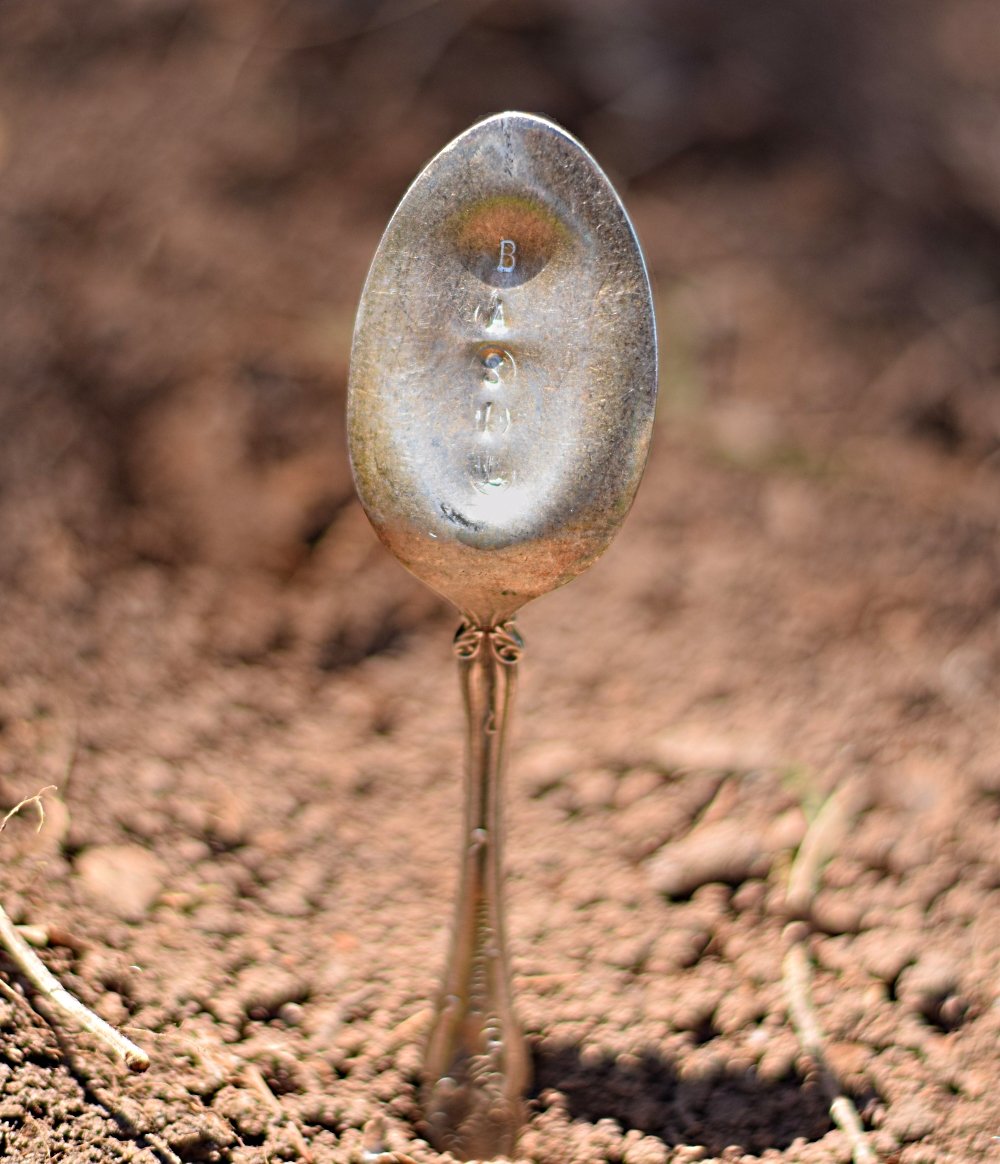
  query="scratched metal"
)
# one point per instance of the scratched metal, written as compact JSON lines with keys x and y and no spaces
{"x":500,"y":403}
{"x":503,"y":371}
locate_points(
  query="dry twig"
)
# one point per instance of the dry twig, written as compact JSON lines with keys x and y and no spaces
{"x":32,"y":967}
{"x":229,"y":1067}
{"x":256,"y":1081}
{"x":162,"y":1148}
{"x":826,"y":831}
{"x":828,"y":827}
{"x":48,"y":986}
{"x":36,"y":800}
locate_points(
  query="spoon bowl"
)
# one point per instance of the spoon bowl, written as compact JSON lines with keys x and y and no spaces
{"x":503,"y":372}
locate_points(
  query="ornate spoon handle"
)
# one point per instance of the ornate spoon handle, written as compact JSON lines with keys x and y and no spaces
{"x":477,"y":1065}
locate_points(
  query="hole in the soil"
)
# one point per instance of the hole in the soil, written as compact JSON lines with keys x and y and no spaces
{"x":704,"y":1031}
{"x":384,"y":720}
{"x":221,"y":846}
{"x":352,"y":645}
{"x":46,"y":1059}
{"x":252,"y":1139}
{"x":945,"y":1012}
{"x":321,"y":516}
{"x":200,"y":1149}
{"x":649,"y":1096}
{"x":892,"y":984}
{"x":938,"y":422}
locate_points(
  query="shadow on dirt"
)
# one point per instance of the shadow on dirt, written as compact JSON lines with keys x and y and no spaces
{"x":715,"y":1112}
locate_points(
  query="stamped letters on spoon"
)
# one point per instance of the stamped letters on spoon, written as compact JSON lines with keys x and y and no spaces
{"x":507,"y":250}
{"x":492,"y":314}
{"x":491,"y":471}
{"x":490,"y":464}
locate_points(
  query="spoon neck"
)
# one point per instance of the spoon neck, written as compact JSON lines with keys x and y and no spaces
{"x":487,"y":663}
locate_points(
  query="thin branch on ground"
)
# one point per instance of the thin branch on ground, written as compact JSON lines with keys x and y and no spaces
{"x":819,"y":844}
{"x":36,"y":800}
{"x":48,"y":986}
{"x":230,"y":1067}
{"x":373,"y":1148}
{"x":162,"y":1148}
{"x":69,"y":760}
{"x":37,"y":936}
{"x":126,"y":1112}
{"x":12,"y":995}
{"x":823,"y":837}
{"x":256,"y":1081}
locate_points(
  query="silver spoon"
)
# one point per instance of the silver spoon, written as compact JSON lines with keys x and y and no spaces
{"x":500,"y":404}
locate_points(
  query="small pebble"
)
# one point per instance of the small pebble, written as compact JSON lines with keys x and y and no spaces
{"x":909,"y":1120}
{"x":836,"y":913}
{"x":636,"y":785}
{"x":725,"y":852}
{"x":884,"y":953}
{"x":546,"y":766}
{"x":243,"y":1110}
{"x":648,"y":1150}
{"x":265,"y":991}
{"x":698,"y":748}
{"x":125,"y":879}
{"x":924,"y":986}
{"x":593,"y":790}
{"x":689,"y":1153}
{"x":848,"y":1060}
{"x":678,"y":950}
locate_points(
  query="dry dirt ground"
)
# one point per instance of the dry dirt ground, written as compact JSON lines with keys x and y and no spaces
{"x":251,"y":714}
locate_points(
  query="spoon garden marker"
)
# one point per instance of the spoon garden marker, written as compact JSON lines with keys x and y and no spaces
{"x":503,"y":377}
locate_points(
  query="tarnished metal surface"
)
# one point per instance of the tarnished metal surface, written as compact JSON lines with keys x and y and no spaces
{"x":503,"y":377}
{"x":503,"y":372}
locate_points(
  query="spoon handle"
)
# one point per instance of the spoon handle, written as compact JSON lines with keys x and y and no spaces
{"x":477,"y":1066}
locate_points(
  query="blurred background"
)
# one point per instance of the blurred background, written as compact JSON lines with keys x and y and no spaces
{"x":191,"y":191}
{"x":250,"y":708}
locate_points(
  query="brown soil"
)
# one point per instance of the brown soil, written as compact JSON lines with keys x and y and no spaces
{"x":251,"y":712}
